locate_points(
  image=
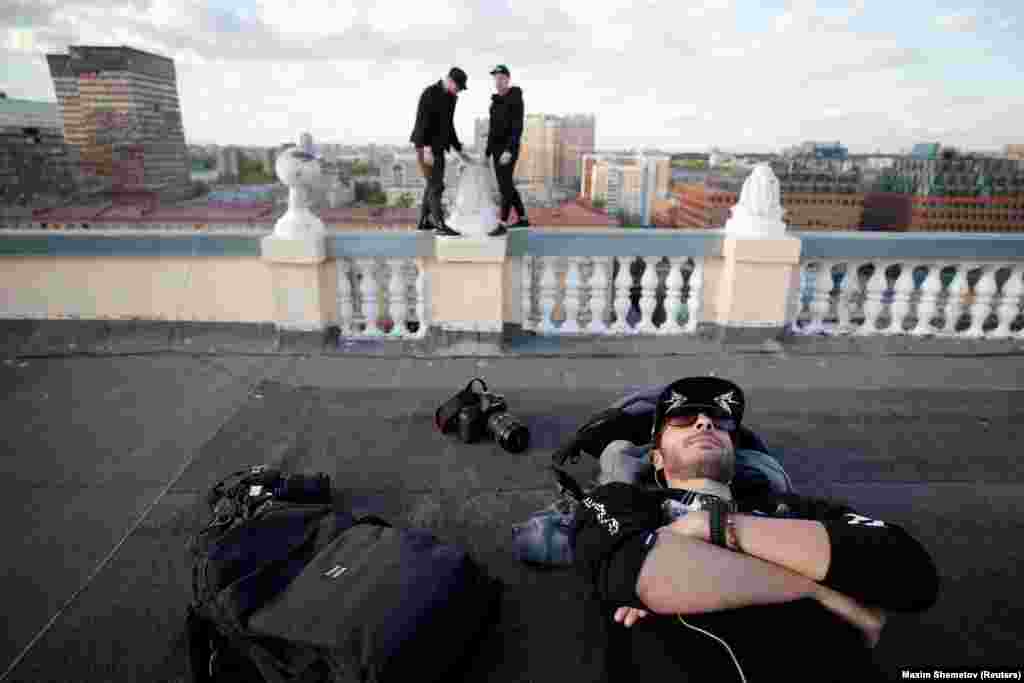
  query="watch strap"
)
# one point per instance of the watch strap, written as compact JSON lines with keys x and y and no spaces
{"x":717,"y":514}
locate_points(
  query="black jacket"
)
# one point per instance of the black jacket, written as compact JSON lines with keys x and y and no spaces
{"x":506,"y":123}
{"x":876,"y":563}
{"x":435,"y":120}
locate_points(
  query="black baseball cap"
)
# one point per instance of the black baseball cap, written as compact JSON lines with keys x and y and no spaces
{"x":718,"y":396}
{"x":500,"y":69}
{"x":459,"y":76}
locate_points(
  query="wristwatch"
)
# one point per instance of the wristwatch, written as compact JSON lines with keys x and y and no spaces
{"x":718,"y":514}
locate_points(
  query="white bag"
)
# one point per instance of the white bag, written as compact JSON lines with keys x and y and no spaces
{"x":476,"y":212}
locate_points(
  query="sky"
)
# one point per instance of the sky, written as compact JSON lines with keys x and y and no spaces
{"x":678,"y":76}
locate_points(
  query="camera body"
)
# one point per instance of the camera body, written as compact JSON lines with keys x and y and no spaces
{"x":490,"y":416}
{"x":262,"y":483}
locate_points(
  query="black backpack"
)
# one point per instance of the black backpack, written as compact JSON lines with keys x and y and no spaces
{"x":287,"y":591}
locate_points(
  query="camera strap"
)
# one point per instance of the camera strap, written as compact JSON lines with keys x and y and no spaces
{"x":444,"y":417}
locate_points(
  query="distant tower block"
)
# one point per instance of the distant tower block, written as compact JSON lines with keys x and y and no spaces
{"x":120,"y":111}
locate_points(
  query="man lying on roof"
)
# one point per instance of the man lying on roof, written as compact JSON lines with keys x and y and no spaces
{"x":696,"y":583}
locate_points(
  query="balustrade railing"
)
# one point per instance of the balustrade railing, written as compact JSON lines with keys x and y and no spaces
{"x":970,"y":299}
{"x":382,"y":297}
{"x":611,"y":295}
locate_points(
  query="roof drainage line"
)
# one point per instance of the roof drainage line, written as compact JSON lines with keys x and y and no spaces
{"x":106,"y":560}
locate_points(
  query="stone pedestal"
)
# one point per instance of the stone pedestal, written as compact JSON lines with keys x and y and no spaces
{"x":756,"y":281}
{"x":302,"y":280}
{"x":760,"y":263}
{"x":476,"y":282}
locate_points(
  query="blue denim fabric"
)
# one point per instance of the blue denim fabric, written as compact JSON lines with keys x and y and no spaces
{"x":547,"y":537}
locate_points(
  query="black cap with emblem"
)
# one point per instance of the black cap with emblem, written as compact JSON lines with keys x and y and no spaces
{"x":719,"y":397}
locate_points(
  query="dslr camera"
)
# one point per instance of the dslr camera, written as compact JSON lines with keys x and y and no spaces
{"x":256,"y":485}
{"x":490,"y":416}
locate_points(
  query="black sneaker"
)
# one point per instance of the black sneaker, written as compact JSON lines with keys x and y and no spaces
{"x":521,"y":223}
{"x":502,"y":229}
{"x":444,"y":231}
{"x":424,"y":224}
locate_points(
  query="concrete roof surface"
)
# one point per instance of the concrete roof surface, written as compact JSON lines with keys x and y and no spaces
{"x":106,"y":461}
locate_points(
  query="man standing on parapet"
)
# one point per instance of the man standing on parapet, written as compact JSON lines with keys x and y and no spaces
{"x":503,"y":137}
{"x":433,"y":135}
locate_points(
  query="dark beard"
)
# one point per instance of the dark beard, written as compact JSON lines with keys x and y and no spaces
{"x":714,"y":466}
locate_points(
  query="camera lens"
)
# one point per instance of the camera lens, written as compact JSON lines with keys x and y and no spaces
{"x":510,"y":433}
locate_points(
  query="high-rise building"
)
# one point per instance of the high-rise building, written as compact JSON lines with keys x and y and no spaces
{"x":629,"y":184}
{"x":34,"y":161}
{"x":120,"y":111}
{"x":577,"y":139}
{"x":552,"y":148}
{"x":227,"y":164}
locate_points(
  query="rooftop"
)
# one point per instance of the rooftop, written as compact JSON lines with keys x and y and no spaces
{"x":106,"y":477}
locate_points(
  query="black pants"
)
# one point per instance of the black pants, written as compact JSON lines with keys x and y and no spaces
{"x":435,"y":189}
{"x":509,"y":194}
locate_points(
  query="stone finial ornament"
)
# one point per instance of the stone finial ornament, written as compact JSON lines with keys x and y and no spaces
{"x":299,"y":169}
{"x":759,"y":210}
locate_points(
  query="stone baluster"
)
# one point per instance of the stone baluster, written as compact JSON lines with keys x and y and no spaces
{"x":599,"y":282}
{"x":1009,"y":305}
{"x":648,"y":295}
{"x":367,"y":266}
{"x":398,"y":301}
{"x":984,"y":293}
{"x":902,"y":290}
{"x":795,"y":308}
{"x":929,"y":302}
{"x":346,"y":310}
{"x":527,"y":292}
{"x":955,"y":300}
{"x":874,"y":291}
{"x":548,"y":293}
{"x":623,"y":284}
{"x":848,"y":287}
{"x":673,"y":296}
{"x":573,"y":292}
{"x":695,"y":296}
{"x":821,"y":298}
{"x":422,"y":297}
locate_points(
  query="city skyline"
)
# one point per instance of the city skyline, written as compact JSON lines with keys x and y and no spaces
{"x":719,"y":74}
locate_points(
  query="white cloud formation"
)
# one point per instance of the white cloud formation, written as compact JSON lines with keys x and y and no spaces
{"x":353,"y":71}
{"x":959,"y":21}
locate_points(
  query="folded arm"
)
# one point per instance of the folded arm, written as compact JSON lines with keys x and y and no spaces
{"x":874,"y":562}
{"x":684,"y":575}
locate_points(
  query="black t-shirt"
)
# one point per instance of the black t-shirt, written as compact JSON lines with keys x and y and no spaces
{"x":874,"y":562}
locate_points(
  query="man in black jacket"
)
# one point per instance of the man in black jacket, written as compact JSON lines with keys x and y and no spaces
{"x":433,"y":135}
{"x":694,"y":585}
{"x":503,"y":138}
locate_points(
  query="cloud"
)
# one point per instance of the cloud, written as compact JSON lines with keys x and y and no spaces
{"x":958,"y":22}
{"x":352,"y":71}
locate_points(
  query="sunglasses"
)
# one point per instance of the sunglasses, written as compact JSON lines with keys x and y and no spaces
{"x":688,"y":418}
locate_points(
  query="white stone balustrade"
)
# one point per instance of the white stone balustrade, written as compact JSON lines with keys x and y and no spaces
{"x":600,"y":282}
{"x":694,"y":300}
{"x":548,"y":294}
{"x":527,"y":292}
{"x":928,"y":302}
{"x":623,"y":286}
{"x":573,"y":292}
{"x":592,"y":295}
{"x":648,"y":296}
{"x":916,"y":300}
{"x":365,"y":301}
